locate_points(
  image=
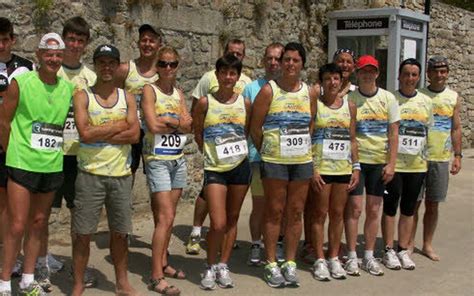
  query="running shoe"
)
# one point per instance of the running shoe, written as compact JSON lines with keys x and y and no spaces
{"x":272,"y":275}
{"x":223,"y":276}
{"x":372,"y":266}
{"x":193,"y":247}
{"x":34,"y":289}
{"x":288,"y":269}
{"x":255,"y":255}
{"x":352,"y":267}
{"x":405,"y":260}
{"x":208,"y":279}
{"x":280,"y":253}
{"x":320,"y":270}
{"x":17,"y":268}
{"x":54,"y":264}
{"x":390,"y":260}
{"x":42,"y":274}
{"x":336,"y":270}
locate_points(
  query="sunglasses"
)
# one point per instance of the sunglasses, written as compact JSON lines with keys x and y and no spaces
{"x":163,"y":64}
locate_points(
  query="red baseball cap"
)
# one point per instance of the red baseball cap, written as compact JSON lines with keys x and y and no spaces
{"x":367,"y":60}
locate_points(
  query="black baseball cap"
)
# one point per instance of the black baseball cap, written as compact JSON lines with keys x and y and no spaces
{"x":106,"y":50}
{"x":147,"y":27}
{"x":438,"y":62}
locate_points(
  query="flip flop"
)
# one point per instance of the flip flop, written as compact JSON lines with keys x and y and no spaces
{"x":168,"y":290}
{"x":177,"y":274}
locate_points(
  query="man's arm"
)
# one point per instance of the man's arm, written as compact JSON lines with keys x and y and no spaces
{"x":121,"y":75}
{"x":87,"y":132}
{"x":456,"y":138}
{"x":130,"y":135}
{"x":8,"y":109}
{"x":389,"y":169}
{"x":260,"y":108}
{"x":199,"y":115}
{"x":354,"y":148}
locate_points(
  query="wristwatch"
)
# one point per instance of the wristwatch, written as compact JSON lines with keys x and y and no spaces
{"x":460,"y":155}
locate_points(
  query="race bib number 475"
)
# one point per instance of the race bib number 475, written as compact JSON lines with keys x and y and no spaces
{"x":46,"y":136}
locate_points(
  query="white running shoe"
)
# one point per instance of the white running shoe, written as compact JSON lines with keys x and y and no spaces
{"x":320,"y":270}
{"x":223,"y":278}
{"x":352,"y":267}
{"x":336,"y":270}
{"x":208,"y":279}
{"x":372,"y":266}
{"x":405,"y":260}
{"x":54,"y":264}
{"x":390,"y":260}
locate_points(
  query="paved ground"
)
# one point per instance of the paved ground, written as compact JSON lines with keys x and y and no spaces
{"x":453,"y":275}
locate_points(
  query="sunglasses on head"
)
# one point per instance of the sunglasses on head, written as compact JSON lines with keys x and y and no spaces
{"x":163,"y":64}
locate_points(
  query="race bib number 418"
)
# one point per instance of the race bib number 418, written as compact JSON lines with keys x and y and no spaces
{"x":46,"y":136}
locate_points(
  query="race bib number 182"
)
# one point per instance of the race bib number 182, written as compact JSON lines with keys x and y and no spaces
{"x":46,"y":136}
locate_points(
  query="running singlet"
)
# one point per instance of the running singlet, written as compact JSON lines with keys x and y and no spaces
{"x":374,"y":114}
{"x":82,"y":77}
{"x":251,"y":91}
{"x":36,"y":135}
{"x":134,"y":84}
{"x":439,"y":135}
{"x":331,"y":140}
{"x":415,"y":119}
{"x":286,"y":138}
{"x":208,"y":84}
{"x":164,"y":146}
{"x":14,"y":67}
{"x":225,"y":144}
{"x":102,"y":158}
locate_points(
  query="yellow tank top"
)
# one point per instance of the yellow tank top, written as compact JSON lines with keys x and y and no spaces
{"x":415,"y":119}
{"x":134,"y":84}
{"x":225,"y":144}
{"x":102,"y":158}
{"x":439,"y":135}
{"x":331,"y":140}
{"x":286,"y":138}
{"x":82,"y":78}
{"x":164,"y":146}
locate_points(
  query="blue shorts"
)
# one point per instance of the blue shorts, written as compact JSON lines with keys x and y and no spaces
{"x":165,"y":175}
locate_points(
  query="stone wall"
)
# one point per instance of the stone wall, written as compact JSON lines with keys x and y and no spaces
{"x":199,"y":28}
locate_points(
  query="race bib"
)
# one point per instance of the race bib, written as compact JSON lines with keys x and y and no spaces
{"x":294,"y":141}
{"x":46,"y":136}
{"x":336,"y":145}
{"x":169,"y":144}
{"x":411,"y":140}
{"x":231,"y":146}
{"x":70,"y":130}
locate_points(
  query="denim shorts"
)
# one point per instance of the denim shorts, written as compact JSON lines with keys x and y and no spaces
{"x":165,"y":175}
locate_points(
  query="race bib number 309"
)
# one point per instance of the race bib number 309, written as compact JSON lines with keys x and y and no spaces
{"x":294,"y":141}
{"x":46,"y":136}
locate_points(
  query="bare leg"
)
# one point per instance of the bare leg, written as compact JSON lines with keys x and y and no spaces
{"x":216,"y":200}
{"x":371,"y":225}
{"x":388,"y":229}
{"x":119,"y":252}
{"x":200,"y":211}
{"x":256,"y":217}
{"x":3,"y":212}
{"x":320,"y":211}
{"x":411,"y":243}
{"x":80,"y":257}
{"x":430,"y":221}
{"x":297,"y":194}
{"x":405,"y":226}
{"x":352,"y":213}
{"x":275,"y":200}
{"x":235,"y":199}
{"x":337,"y":204}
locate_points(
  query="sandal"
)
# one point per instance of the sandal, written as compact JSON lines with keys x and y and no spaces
{"x":168,"y":290}
{"x":177,"y":274}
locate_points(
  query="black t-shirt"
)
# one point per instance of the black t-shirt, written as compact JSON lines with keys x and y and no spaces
{"x":12,"y":68}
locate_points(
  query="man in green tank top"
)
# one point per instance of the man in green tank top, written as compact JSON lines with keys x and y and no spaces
{"x":106,"y":118}
{"x":34,"y":112}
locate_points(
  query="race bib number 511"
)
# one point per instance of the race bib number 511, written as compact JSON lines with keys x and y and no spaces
{"x":46,"y":136}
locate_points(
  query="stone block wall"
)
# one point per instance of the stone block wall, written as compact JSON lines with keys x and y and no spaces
{"x":199,"y":28}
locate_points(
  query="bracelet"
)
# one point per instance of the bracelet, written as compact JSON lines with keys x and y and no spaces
{"x":356,"y":166}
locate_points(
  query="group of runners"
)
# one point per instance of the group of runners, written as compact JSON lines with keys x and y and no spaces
{"x":306,"y":152}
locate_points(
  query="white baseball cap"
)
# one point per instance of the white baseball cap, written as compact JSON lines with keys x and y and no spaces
{"x":43,"y":44}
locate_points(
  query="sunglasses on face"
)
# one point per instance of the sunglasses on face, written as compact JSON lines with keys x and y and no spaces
{"x":163,"y":64}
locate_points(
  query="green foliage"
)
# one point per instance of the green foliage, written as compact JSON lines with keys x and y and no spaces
{"x":44,"y":5}
{"x":464,"y":4}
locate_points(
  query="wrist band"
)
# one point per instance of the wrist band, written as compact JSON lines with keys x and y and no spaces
{"x":356,"y":166}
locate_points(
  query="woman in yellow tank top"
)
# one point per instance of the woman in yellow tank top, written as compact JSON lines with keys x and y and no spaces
{"x":281,"y":126}
{"x":336,"y":170}
{"x":167,"y":120}
{"x":220,"y":123}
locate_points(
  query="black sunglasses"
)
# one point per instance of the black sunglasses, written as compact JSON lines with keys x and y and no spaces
{"x":163,"y":64}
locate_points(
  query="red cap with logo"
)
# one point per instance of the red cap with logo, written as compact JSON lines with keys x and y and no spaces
{"x":367,"y":60}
